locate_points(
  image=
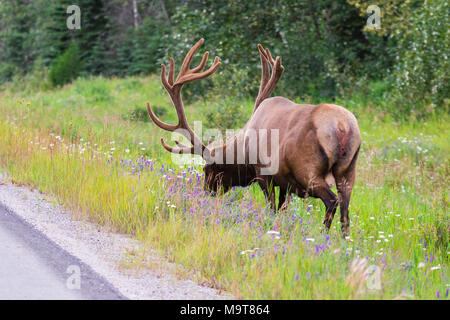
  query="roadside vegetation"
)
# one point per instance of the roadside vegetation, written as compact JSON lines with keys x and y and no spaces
{"x":88,"y":145}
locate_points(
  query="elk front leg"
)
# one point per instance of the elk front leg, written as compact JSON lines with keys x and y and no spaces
{"x":269,"y":192}
{"x":284,"y":199}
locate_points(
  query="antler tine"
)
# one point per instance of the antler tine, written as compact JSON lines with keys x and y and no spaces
{"x":277,"y":70}
{"x":171,"y":71}
{"x":267,"y":85}
{"x":182,"y":149}
{"x":159,"y":123}
{"x":164,"y":81}
{"x":189,"y":77}
{"x":269,"y":57}
{"x":265,"y":68}
{"x":202,"y":64}
{"x":188,"y":59}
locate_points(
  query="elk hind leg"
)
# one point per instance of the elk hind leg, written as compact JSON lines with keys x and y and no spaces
{"x":322,"y":191}
{"x":344,"y":185}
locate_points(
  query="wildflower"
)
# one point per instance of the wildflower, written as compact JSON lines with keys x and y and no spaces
{"x":372,"y":218}
{"x":127,"y":150}
{"x":273,"y":232}
{"x":310,"y":239}
{"x":436,"y":267}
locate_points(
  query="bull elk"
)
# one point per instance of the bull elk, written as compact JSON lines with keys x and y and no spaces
{"x":317,"y":145}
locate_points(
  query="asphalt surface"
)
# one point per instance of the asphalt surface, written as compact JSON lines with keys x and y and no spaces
{"x":32,"y":267}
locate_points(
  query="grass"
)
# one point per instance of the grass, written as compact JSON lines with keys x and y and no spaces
{"x":80,"y":144}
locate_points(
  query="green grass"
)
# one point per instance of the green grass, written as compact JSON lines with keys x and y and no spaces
{"x":77,"y":143}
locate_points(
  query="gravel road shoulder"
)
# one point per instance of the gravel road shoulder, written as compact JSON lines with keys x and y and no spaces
{"x":103,"y":251}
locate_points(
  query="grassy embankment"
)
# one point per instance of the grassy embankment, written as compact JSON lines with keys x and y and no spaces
{"x":79,"y":144}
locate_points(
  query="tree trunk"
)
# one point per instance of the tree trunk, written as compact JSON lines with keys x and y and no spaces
{"x":135,"y":14}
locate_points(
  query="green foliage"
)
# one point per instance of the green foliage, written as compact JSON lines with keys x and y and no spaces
{"x":141,"y":113}
{"x":66,"y":67}
{"x":437,"y":235}
{"x":421,"y":74}
{"x":225,"y":114}
{"x":16,"y":38}
{"x":141,"y":49}
{"x":227,"y":92}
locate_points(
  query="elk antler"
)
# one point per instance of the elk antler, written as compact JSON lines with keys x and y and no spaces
{"x":267,"y":85}
{"x":172,"y":87}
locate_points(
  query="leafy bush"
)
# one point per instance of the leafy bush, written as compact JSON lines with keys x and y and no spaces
{"x":141,"y":49}
{"x":66,"y":67}
{"x":38,"y":78}
{"x":422,"y":70}
{"x":7,"y":71}
{"x":141,"y":113}
{"x":225,"y":114}
{"x":228,"y":91}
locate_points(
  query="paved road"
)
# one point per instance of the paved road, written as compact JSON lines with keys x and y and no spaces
{"x":34,"y":267}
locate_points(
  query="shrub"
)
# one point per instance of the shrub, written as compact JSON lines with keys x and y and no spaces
{"x":66,"y":67}
{"x":422,"y":70}
{"x":227,"y":113}
{"x":141,"y":113}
